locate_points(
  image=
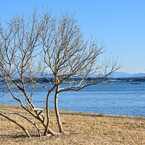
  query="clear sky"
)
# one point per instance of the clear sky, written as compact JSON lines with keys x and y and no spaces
{"x":118,"y":24}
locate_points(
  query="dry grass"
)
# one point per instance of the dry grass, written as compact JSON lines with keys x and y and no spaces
{"x":85,"y":129}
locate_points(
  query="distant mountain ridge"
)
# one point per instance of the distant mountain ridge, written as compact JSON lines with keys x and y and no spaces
{"x":126,"y":75}
{"x":113,"y":75}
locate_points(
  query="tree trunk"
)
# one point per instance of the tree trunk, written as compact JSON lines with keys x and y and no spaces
{"x":47,"y":129}
{"x":57,"y":111}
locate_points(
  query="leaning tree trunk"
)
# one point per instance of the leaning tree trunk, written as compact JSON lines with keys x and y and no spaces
{"x":57,"y":111}
{"x":39,"y":133}
{"x":26,"y":132}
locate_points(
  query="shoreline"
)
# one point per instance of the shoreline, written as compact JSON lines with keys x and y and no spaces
{"x":85,"y":128}
{"x":86,"y":113}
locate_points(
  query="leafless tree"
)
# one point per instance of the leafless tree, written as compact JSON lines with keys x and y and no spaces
{"x":68,"y":55}
{"x":30,"y":48}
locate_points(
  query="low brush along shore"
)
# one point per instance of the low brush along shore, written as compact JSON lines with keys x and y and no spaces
{"x":84,"y":128}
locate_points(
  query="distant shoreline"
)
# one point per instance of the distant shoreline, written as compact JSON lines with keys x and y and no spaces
{"x":89,"y":79}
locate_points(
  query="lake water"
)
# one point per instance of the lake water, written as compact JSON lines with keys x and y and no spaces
{"x":119,"y":98}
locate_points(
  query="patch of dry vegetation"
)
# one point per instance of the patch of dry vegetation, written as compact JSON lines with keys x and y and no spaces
{"x":85,"y":129}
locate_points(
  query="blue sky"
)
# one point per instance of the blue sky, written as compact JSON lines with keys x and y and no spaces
{"x":118,"y":24}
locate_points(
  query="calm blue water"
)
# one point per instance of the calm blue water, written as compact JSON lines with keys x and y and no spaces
{"x":121,"y":98}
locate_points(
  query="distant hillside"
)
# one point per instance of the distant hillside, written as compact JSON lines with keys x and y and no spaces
{"x":120,"y":76}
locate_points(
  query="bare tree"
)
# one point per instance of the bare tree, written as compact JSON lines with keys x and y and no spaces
{"x":44,"y":43}
{"x":68,"y":55}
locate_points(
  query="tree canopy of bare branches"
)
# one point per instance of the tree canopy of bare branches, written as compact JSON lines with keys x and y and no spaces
{"x":31,"y":47}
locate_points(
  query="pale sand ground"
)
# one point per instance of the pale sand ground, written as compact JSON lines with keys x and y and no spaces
{"x":85,"y":129}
